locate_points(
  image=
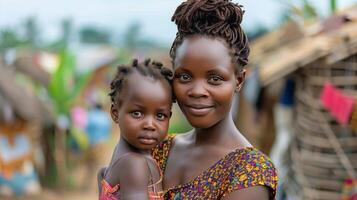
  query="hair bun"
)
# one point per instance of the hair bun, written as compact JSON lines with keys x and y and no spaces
{"x":220,"y":18}
{"x":200,"y":16}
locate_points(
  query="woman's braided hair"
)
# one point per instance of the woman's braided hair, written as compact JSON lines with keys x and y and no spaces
{"x":148,"y":68}
{"x":217,"y":18}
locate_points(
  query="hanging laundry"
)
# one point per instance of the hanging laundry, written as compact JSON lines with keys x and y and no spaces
{"x":353,"y":121}
{"x":98,"y":125}
{"x":339,"y":104}
{"x":287,"y":96}
{"x":17,"y":174}
{"x":78,"y":129}
{"x":326,"y":95}
{"x":345,"y":109}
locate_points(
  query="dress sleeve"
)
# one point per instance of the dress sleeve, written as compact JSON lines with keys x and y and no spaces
{"x":161,"y":152}
{"x":251,"y":169}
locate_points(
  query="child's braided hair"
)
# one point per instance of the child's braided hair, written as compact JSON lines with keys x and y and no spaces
{"x":149,"y":68}
{"x":217,"y":18}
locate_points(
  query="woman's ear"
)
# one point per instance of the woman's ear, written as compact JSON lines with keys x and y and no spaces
{"x":114,"y":113}
{"x":240,"y":77}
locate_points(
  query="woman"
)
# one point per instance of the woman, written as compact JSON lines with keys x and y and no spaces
{"x":214,"y":160}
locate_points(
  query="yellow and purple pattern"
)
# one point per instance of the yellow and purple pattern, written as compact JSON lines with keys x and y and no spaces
{"x":241,"y":168}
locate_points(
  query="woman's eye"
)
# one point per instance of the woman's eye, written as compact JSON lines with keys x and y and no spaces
{"x":160,"y":116}
{"x":184,"y":77}
{"x":215,"y":79}
{"x":136,"y":114}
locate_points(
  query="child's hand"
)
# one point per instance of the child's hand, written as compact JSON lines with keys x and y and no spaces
{"x":100,"y":177}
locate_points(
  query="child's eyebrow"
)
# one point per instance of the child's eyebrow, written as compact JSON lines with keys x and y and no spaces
{"x":138,"y":105}
{"x":163,"y":109}
{"x":216,"y":70}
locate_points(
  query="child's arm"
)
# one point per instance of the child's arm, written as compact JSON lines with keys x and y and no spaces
{"x":251,"y":193}
{"x":100,"y":177}
{"x":132,"y":174}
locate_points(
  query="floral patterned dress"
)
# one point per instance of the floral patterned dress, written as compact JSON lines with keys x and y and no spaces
{"x":241,"y":168}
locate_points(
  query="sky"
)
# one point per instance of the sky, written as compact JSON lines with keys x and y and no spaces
{"x":116,"y":15}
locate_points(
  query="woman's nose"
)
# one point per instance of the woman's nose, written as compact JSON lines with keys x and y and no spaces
{"x":198,"y":90}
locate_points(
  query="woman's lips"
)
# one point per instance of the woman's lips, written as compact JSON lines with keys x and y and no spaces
{"x":199,"y":110}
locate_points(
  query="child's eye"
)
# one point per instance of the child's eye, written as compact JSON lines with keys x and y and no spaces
{"x":215,"y":80}
{"x":183,"y":77}
{"x":136,"y":114}
{"x":160,"y":116}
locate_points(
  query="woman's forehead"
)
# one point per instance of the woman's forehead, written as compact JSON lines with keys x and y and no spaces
{"x":202,"y":50}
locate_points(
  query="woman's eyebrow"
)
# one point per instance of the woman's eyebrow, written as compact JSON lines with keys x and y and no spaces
{"x":180,"y":68}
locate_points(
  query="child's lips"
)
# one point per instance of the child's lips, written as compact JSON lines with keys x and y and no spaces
{"x":147,"y":140}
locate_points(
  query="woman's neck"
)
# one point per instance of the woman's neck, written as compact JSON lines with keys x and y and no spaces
{"x":220,"y":133}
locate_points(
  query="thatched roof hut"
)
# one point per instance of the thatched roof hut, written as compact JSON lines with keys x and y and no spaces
{"x":25,"y":104}
{"x":322,"y":152}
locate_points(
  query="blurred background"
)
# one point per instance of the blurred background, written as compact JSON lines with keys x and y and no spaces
{"x":57,"y":59}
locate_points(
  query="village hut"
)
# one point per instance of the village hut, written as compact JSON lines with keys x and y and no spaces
{"x":322,"y":152}
{"x":22,"y":114}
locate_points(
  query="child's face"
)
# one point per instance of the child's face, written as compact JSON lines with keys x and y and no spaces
{"x":205,"y":80}
{"x":144,"y":112}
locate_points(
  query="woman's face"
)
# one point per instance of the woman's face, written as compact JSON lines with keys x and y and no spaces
{"x":205,"y":80}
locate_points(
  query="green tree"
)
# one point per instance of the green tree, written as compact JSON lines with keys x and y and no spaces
{"x":131,"y":36}
{"x":67,"y":28}
{"x":32,"y":31}
{"x":65,"y":85}
{"x":333,"y":6}
{"x":64,"y":40}
{"x":9,"y":39}
{"x":91,"y":34}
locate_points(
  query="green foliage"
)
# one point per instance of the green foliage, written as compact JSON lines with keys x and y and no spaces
{"x":179,"y":127}
{"x":67,"y":29}
{"x":94,"y":36}
{"x":65,"y":85}
{"x":9,"y":39}
{"x":333,"y":6}
{"x":32,"y":31}
{"x":131,"y":36}
{"x":308,"y":10}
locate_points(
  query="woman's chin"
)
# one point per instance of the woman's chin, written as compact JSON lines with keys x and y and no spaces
{"x":200,"y":123}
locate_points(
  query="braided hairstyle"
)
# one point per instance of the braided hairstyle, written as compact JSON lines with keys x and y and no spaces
{"x":216,"y":18}
{"x":148,"y":68}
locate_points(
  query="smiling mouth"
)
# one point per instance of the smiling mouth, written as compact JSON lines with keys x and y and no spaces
{"x":199,"y":110}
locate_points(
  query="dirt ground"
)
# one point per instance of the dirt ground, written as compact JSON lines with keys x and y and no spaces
{"x":55,"y":195}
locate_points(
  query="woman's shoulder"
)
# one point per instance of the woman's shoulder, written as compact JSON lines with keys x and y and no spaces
{"x":161,"y":152}
{"x":249,"y":167}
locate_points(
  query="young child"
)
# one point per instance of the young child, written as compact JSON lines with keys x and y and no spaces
{"x":141,"y":98}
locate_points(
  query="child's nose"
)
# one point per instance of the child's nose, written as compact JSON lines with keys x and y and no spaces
{"x":149,"y":124}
